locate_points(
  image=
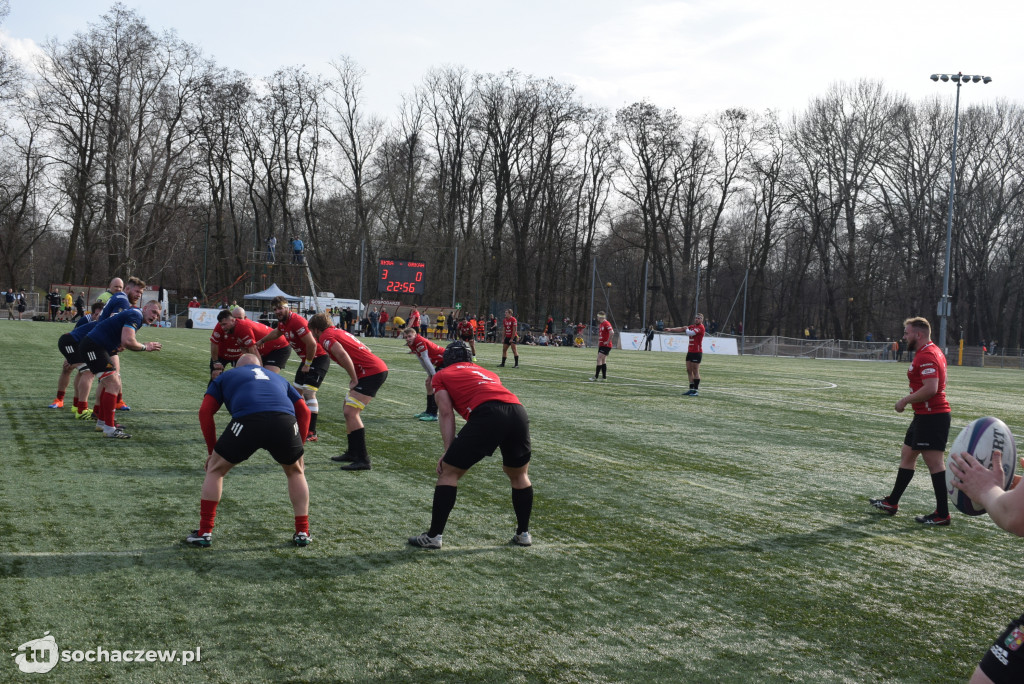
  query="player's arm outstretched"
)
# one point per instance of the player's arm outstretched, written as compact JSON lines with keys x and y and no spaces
{"x":128,"y":341}
{"x":985,"y":488}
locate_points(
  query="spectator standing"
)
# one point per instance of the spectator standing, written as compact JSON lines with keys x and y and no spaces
{"x":297,"y":250}
{"x":271,"y":249}
{"x":374,"y":319}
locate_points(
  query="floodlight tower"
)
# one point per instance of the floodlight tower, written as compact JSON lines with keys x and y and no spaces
{"x":944,"y":306}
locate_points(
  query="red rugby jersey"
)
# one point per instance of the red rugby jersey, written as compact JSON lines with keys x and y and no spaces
{"x":294,"y":329}
{"x":366,"y":362}
{"x":929,"y":363}
{"x":469,"y":385}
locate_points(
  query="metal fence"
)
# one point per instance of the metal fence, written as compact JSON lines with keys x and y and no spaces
{"x":796,"y":347}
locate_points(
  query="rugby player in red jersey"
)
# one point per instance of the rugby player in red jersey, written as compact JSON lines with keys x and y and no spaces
{"x":511,"y":327}
{"x":929,"y":430}
{"x":604,"y":346}
{"x":467,"y":333}
{"x":315,"y":362}
{"x":494,"y":419}
{"x":243,"y":333}
{"x":366,"y":372}
{"x":224,"y":349}
{"x":266,"y":413}
{"x":694,"y":352}
{"x":430,"y":356}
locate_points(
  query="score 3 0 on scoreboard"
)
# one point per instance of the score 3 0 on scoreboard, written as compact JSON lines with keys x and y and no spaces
{"x":400,"y":276}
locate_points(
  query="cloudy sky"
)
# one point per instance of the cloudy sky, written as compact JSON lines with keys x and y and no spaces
{"x":698,"y":56}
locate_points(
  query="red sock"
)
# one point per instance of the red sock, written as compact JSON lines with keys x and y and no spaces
{"x":60,"y":396}
{"x":107,"y":408}
{"x":207,"y":512}
{"x":302,"y":524}
{"x":120,"y":399}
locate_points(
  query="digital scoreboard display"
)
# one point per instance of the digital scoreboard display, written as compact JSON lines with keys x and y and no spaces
{"x":400,"y":276}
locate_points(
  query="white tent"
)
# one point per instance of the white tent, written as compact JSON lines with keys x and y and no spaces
{"x":270,"y":293}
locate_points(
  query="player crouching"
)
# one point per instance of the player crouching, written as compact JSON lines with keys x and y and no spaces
{"x":266,"y":412}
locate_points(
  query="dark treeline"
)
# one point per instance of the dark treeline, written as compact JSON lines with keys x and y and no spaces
{"x":126,"y":150}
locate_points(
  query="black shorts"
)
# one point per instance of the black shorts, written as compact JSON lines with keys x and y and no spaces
{"x":96,"y":357}
{"x":70,"y":349}
{"x":928,"y":432}
{"x":694,"y":357}
{"x":370,"y":384}
{"x":491,"y":425}
{"x":1004,"y":661}
{"x":604,"y":350}
{"x":274,"y":431}
{"x":466,"y":337}
{"x":316,"y":374}
{"x":277,"y":358}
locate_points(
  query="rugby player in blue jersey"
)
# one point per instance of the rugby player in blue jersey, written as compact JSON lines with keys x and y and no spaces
{"x":266,"y":412}
{"x":99,"y":348}
{"x":120,"y":299}
{"x":68,"y":346}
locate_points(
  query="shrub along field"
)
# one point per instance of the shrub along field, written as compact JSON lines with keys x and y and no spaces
{"x":725,"y":537}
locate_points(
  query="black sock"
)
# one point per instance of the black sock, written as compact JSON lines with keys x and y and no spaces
{"x":357,"y":445}
{"x":903,"y":478}
{"x":431,"y":405}
{"x":517,"y":359}
{"x":597,"y":370}
{"x":522,"y":504}
{"x":941,"y":500}
{"x":696,"y":384}
{"x":312,"y":423}
{"x":604,"y":371}
{"x":691,"y":384}
{"x":444,"y":502}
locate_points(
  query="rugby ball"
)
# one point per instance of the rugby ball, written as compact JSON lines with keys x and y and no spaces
{"x":980,"y":438}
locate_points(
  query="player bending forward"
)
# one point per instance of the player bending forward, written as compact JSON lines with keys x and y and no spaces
{"x":366,"y":373}
{"x":266,"y":412}
{"x":494,"y":419}
{"x":430,"y":357}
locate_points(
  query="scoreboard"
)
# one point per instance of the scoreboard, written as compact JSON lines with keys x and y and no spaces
{"x":400,"y":276}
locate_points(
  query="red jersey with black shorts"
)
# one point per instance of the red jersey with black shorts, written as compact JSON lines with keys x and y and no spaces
{"x":604,"y":336}
{"x":414,"y":320}
{"x":929,"y":430}
{"x":366,"y":362}
{"x":495,"y":418}
{"x":511,"y":325}
{"x":466,"y":330}
{"x":228,"y":348}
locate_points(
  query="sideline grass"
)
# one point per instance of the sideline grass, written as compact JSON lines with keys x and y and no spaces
{"x":722,"y":538}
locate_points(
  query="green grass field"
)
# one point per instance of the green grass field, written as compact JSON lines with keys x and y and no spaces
{"x":722,"y":538}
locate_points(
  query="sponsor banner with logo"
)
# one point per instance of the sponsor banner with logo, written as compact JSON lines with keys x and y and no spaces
{"x":203,"y":318}
{"x":677,"y":343}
